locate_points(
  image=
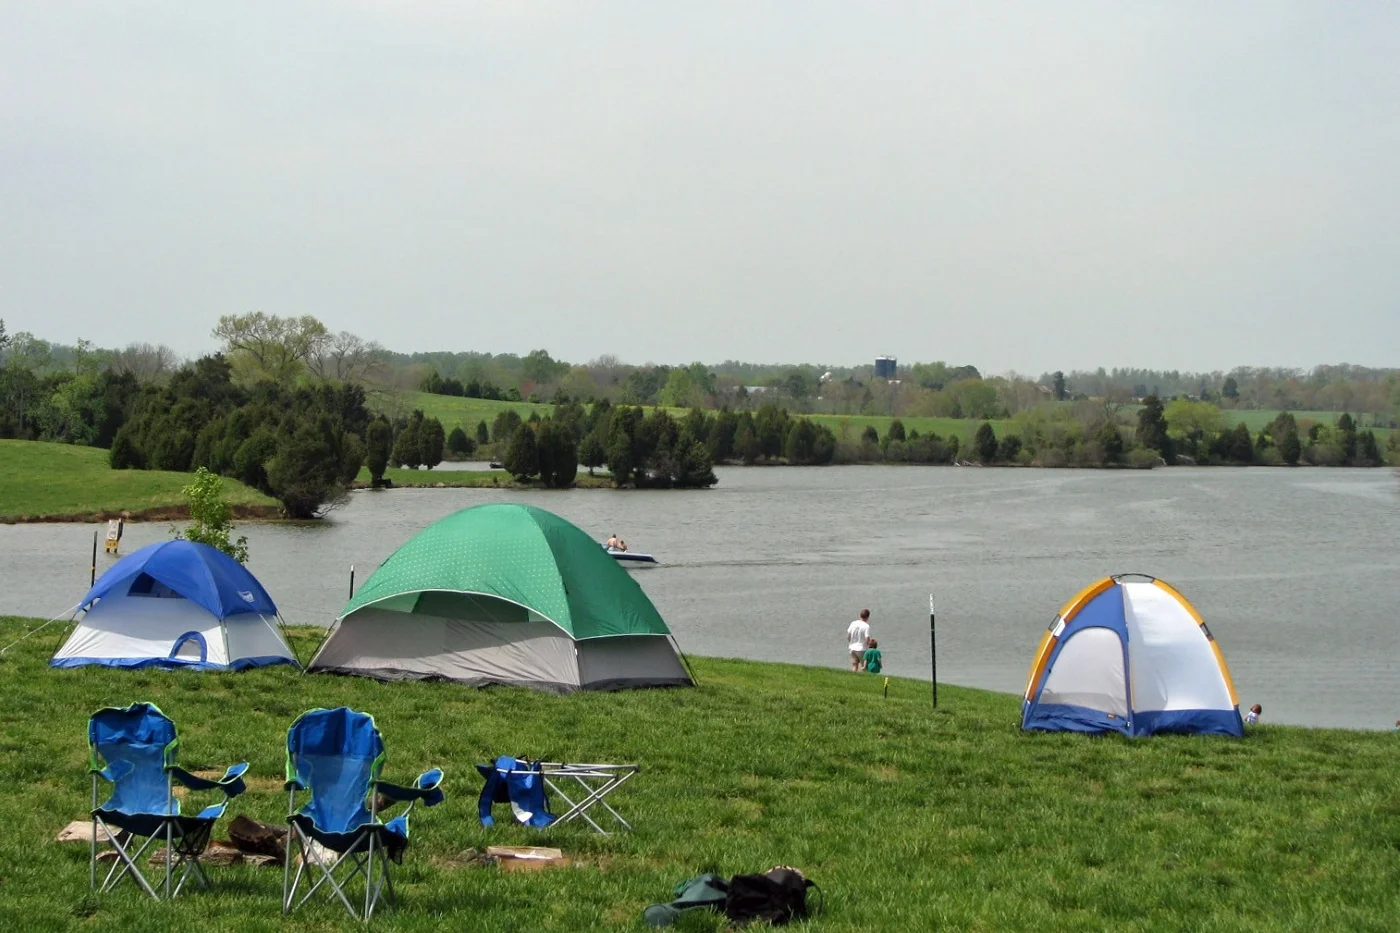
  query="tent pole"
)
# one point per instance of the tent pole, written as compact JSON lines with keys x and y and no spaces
{"x":93,"y":579}
{"x":684,"y":660}
{"x":352,"y":581}
{"x":933,"y":649}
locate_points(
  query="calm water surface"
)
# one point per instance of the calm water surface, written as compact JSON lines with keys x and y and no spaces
{"x":1295,"y":571}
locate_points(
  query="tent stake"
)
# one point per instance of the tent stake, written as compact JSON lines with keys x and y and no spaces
{"x":933,"y":649}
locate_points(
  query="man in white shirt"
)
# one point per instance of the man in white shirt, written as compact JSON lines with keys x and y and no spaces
{"x":858,"y":639}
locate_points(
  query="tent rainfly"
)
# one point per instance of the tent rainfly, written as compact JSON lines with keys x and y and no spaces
{"x":176,"y":604}
{"x":1130,"y":656}
{"x":504,"y":594}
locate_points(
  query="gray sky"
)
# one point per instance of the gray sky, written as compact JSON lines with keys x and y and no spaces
{"x":1024,"y":186}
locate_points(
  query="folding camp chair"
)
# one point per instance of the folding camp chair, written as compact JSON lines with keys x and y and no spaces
{"x":522,"y":784}
{"x":134,"y":750}
{"x":336,"y":755}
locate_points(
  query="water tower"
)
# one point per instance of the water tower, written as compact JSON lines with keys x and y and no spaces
{"x":885,"y":367}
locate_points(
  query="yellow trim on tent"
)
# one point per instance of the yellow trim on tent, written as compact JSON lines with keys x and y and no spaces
{"x":1049,"y":639}
{"x":1086,"y":594}
{"x":1214,"y":645}
{"x":1042,"y":657}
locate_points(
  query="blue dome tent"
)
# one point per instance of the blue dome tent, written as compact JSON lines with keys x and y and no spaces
{"x":176,"y":604}
{"x":1130,"y":656}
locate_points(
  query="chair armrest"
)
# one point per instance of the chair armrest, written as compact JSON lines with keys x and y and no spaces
{"x":113,"y":772}
{"x":231,"y":783}
{"x":426,"y":788}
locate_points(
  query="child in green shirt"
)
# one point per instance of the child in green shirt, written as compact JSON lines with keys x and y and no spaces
{"x":872,"y":657}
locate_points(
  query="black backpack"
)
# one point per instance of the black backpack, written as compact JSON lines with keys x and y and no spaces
{"x":777,"y":896}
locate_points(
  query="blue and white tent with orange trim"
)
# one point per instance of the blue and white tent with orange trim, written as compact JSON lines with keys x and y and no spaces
{"x":1130,"y":654}
{"x":176,"y":604}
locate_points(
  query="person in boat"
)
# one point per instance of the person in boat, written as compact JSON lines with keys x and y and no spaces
{"x":612,"y":543}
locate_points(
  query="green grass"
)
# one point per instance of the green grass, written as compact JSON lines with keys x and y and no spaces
{"x":56,"y":480}
{"x":910,"y":819}
{"x":454,"y":411}
{"x":1256,"y":421}
{"x":467,"y":412}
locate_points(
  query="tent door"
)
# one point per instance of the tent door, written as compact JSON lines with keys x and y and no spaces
{"x":1088,"y":672}
{"x":190,"y":647}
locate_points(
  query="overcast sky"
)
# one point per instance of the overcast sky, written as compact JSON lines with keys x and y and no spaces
{"x":1027,"y":186}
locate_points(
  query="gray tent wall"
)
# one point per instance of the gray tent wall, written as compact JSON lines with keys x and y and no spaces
{"x":480,"y":640}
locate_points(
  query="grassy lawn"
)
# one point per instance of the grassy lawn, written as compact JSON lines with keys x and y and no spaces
{"x":1257,"y":420}
{"x":910,"y":819}
{"x":467,"y":412}
{"x":468,"y":478}
{"x":454,"y":411}
{"x":50,"y":480}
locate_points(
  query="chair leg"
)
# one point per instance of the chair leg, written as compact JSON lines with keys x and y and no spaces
{"x":128,"y":864}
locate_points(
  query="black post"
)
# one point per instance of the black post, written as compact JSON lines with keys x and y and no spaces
{"x":933,"y":649}
{"x":352,"y":581}
{"x":93,"y":580}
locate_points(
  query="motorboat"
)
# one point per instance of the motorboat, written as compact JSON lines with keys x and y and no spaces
{"x":632,"y":559}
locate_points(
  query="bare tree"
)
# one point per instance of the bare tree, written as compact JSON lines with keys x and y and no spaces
{"x":147,"y":362}
{"x":345,"y":357}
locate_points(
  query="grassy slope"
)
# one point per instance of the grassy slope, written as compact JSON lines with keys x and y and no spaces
{"x":1258,"y":420}
{"x":910,"y":819}
{"x":467,"y":412}
{"x":39,"y":479}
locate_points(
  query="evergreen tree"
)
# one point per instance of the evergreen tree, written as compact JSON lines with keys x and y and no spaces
{"x":430,"y":442}
{"x":378,"y":445}
{"x":303,"y":473}
{"x":1058,"y":389}
{"x":1152,"y":427}
{"x":458,"y":442}
{"x":895,"y":432}
{"x":483,"y":436}
{"x":408,"y":451}
{"x":1241,"y":449}
{"x":556,"y":454}
{"x":1290,"y":448}
{"x":1110,"y":441}
{"x":522,"y":454}
{"x":1368,"y":452}
{"x":801,"y":442}
{"x":504,"y":424}
{"x":1346,"y":437}
{"x":985,"y":443}
{"x":352,"y":457}
{"x":593,"y":452}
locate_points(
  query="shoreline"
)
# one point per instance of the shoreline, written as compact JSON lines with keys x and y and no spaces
{"x":493,"y":480}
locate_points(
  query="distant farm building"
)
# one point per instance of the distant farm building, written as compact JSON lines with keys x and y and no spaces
{"x":885,"y":367}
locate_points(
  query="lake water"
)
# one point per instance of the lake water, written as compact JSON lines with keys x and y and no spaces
{"x":1296,"y":571}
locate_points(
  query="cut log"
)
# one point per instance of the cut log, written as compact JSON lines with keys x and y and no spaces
{"x":257,"y":838}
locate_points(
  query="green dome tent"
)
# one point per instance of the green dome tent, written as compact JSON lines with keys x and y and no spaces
{"x":503,"y":594}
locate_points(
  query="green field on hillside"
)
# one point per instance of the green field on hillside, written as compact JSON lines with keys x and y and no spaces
{"x":467,"y":412}
{"x":50,"y":480}
{"x":454,"y":411}
{"x":1257,"y":420}
{"x":908,"y":818}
